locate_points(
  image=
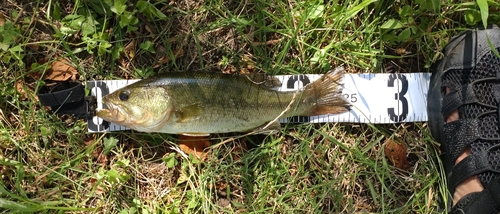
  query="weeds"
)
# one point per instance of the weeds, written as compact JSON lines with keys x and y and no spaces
{"x":49,"y":163}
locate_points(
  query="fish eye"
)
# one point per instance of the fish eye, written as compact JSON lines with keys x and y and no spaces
{"x":124,"y":95}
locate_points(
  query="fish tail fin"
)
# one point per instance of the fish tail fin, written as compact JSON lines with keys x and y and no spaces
{"x":325,"y":94}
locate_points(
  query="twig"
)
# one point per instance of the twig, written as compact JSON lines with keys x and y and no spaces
{"x":18,"y":17}
{"x":284,"y":111}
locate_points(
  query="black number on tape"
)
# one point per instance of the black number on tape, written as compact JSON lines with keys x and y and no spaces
{"x":291,"y":81}
{"x":400,"y":97}
{"x":351,"y":97}
{"x":103,"y":87}
{"x":291,"y":84}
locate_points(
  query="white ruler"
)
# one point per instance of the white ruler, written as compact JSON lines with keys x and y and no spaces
{"x":375,"y":98}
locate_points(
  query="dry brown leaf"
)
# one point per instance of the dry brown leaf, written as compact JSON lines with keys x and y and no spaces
{"x":396,"y":153}
{"x":98,"y":153}
{"x":194,"y":145}
{"x":26,"y":92}
{"x":230,"y":69}
{"x":34,"y":75}
{"x":165,"y":59}
{"x":61,"y":70}
{"x":179,"y":53}
{"x":221,"y":187}
{"x":19,"y":85}
{"x":248,"y":63}
{"x":130,"y":49}
{"x":269,"y":42}
{"x":33,"y":46}
{"x":99,"y":190}
{"x":123,"y":63}
{"x":89,"y":141}
{"x":100,"y":156}
{"x":2,"y":19}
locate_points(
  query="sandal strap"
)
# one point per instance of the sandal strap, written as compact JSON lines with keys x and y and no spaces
{"x":486,"y":201}
{"x":457,"y":97}
{"x":474,"y":164}
{"x":462,"y":132}
{"x":471,"y":165}
{"x":496,"y":94}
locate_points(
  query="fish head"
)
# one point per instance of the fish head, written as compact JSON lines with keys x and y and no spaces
{"x":143,"y":108}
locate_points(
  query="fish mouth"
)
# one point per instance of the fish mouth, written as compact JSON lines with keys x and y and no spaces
{"x":104,"y":114}
{"x":112,"y":113}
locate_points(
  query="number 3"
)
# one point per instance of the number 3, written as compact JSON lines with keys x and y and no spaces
{"x":400,"y":96}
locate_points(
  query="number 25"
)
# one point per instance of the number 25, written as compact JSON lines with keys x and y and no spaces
{"x":353,"y":97}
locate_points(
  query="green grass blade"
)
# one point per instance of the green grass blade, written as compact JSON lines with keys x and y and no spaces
{"x":483,"y":8}
{"x":7,"y":204}
{"x":355,"y":10}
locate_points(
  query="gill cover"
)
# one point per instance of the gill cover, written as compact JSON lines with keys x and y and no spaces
{"x":138,"y":107}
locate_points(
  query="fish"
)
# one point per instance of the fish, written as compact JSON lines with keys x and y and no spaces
{"x":202,"y":103}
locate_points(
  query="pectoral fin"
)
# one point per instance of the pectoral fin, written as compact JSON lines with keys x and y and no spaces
{"x":188,"y":113}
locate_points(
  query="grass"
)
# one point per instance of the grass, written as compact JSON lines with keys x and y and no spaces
{"x":49,"y":164}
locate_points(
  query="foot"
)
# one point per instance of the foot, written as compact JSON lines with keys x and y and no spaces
{"x":471,"y":184}
{"x":463,"y":107}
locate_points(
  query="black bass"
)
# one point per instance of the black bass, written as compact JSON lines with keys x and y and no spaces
{"x":197,"y":103}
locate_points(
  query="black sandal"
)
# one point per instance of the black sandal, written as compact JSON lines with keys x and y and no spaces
{"x":471,"y":70}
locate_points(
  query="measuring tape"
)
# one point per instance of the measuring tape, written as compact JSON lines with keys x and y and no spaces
{"x":375,"y":98}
